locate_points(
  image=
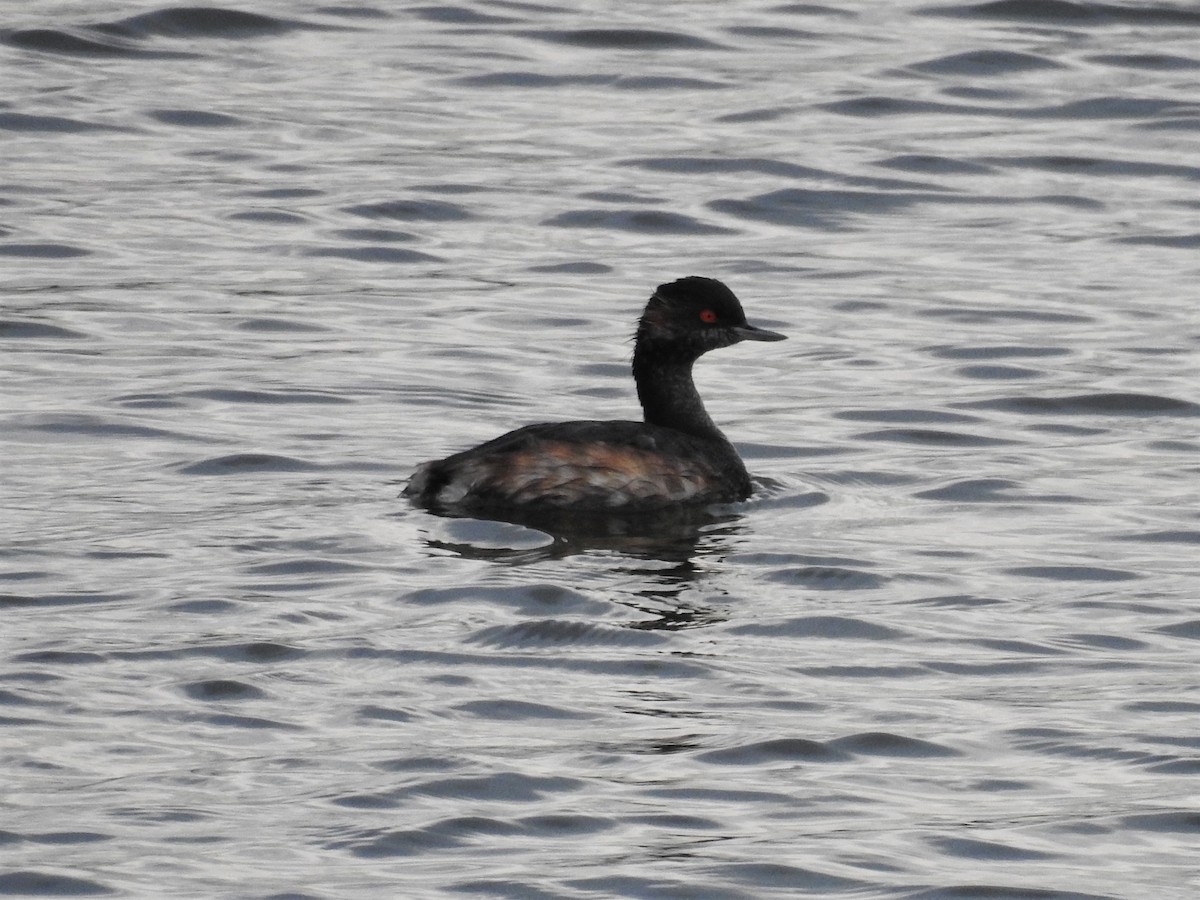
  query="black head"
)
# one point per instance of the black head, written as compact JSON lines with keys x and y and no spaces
{"x":694,"y":315}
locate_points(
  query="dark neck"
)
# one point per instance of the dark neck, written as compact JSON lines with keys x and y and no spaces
{"x":668,"y":395}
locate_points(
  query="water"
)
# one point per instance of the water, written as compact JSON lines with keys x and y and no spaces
{"x":256,"y":266}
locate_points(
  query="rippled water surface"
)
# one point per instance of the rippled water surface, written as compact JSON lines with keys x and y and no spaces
{"x":259,"y":261}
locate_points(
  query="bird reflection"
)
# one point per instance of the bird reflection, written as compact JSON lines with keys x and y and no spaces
{"x":674,"y":536}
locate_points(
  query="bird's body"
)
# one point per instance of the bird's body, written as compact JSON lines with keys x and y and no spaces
{"x":676,"y":457}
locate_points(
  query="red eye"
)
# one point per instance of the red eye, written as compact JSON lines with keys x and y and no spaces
{"x":708,"y":316}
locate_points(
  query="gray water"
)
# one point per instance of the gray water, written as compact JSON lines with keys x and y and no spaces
{"x":258,"y":262}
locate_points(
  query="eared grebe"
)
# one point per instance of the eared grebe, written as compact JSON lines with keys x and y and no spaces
{"x":677,"y":456}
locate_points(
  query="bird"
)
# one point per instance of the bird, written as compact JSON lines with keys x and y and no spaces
{"x":676,"y":457}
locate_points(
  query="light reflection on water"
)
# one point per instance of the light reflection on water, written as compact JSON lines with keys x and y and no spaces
{"x":256,"y":270}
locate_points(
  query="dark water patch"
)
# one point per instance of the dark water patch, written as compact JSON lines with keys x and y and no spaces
{"x":559,"y":632}
{"x":1183,"y":707}
{"x":1110,"y":404}
{"x":771,"y":877}
{"x":974,"y":490}
{"x":979,"y":891}
{"x":813,"y":9}
{"x":1162,"y":537}
{"x":67,"y":838}
{"x":778,"y":750}
{"x":248,"y":464}
{"x":148,"y":401}
{"x":1172,"y":241}
{"x":757,"y":115}
{"x":458,"y":15}
{"x":352,"y":12}
{"x":1189,"y":121}
{"x":1170,"y":821}
{"x":408,"y":764}
{"x":810,"y":208}
{"x":992,"y":95}
{"x":376,"y":235}
{"x":1010,"y":647}
{"x":390,"y":255}
{"x":933,"y":165}
{"x":741,"y":798}
{"x":194,"y":118}
{"x":1092,"y":108}
{"x":930,"y":437}
{"x":1098,"y":166}
{"x":823,"y":627}
{"x":60,"y":657}
{"x":961,"y":601}
{"x":41,"y":883}
{"x":374,"y":713}
{"x":1067,"y":12}
{"x":772,"y":33}
{"x":385,"y":800}
{"x":1000,"y":351}
{"x":249,"y":722}
{"x":207,"y":22}
{"x":1175,"y":446}
{"x":1189,"y":629}
{"x":203,"y":607}
{"x":1104,"y":642}
{"x":271,"y":398}
{"x":83,"y":42}
{"x":876,"y":106}
{"x":1073,"y":573}
{"x":883,"y":743}
{"x":404,"y":842}
{"x":267,"y":217}
{"x":642,"y":221}
{"x":1154,"y":62}
{"x":503,"y":787}
{"x":522,"y":79}
{"x":516,"y":710}
{"x":986,"y":63}
{"x":651,"y":888}
{"x":16,"y":330}
{"x":907,"y":416}
{"x":674,"y":821}
{"x":411,"y":211}
{"x":580,"y":267}
{"x":11,"y":121}
{"x":999,"y":373}
{"x":751,"y":165}
{"x":288,"y":193}
{"x":1186,"y":767}
{"x":1027,"y":668}
{"x":639,"y":39}
{"x":564,"y":825}
{"x":509,"y":889}
{"x":828,"y":578}
{"x":1069,"y":201}
{"x":222,"y":689}
{"x":1098,"y":108}
{"x":43,"y":250}
{"x":666,"y":83}
{"x":281,"y":326}
{"x":986,"y":316}
{"x":93,"y":426}
{"x":68,"y":598}
{"x":25,"y":575}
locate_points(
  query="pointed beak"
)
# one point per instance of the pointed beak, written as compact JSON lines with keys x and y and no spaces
{"x":754,"y":333}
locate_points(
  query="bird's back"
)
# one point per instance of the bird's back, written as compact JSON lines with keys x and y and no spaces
{"x":587,"y":466}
